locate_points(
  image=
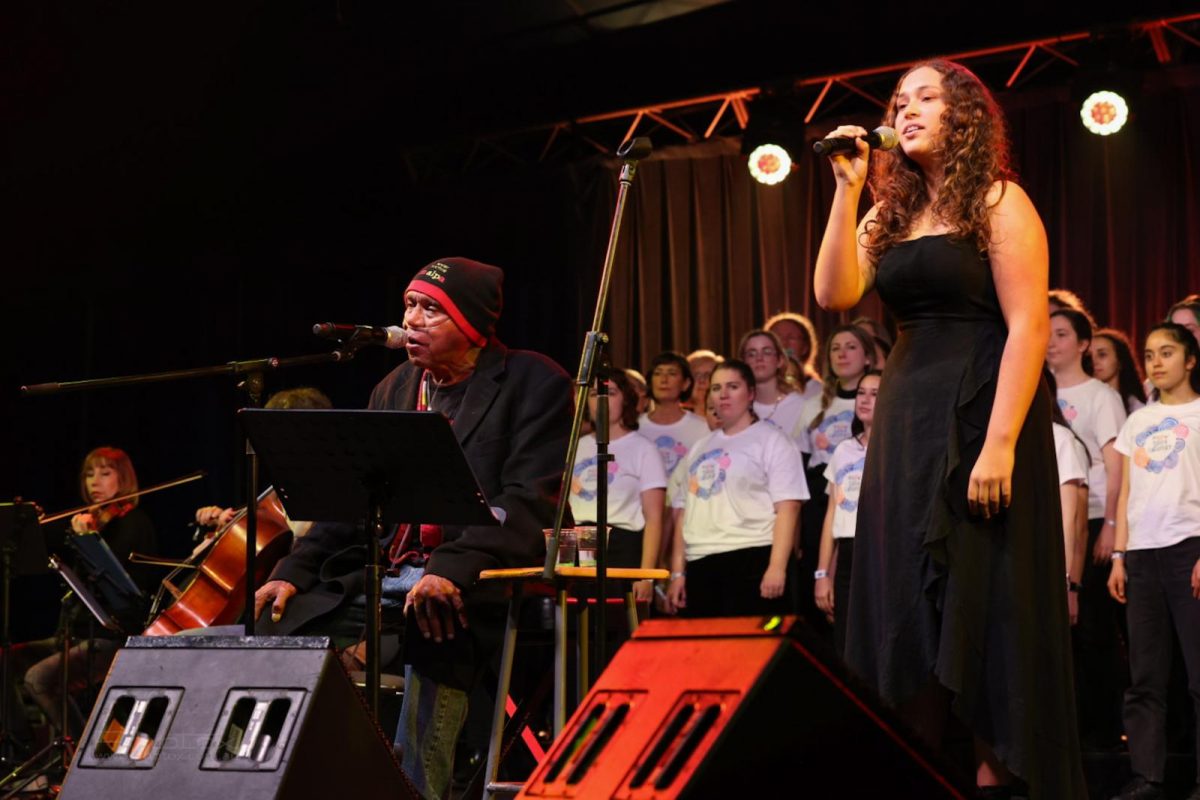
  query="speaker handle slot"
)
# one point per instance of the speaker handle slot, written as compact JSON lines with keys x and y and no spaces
{"x":267,"y":738}
{"x":108,"y":743}
{"x":602,"y":738}
{"x":662,"y":745}
{"x":234,"y":738}
{"x":690,"y":743}
{"x":142,"y":731}
{"x":585,"y":730}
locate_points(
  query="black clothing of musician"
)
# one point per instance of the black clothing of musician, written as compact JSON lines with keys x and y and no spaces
{"x":513,"y":424}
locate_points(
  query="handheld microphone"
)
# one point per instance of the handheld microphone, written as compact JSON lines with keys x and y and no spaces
{"x":392,"y":337}
{"x":882,"y":138}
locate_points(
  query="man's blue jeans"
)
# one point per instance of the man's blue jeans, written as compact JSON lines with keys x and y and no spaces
{"x":431,"y":717}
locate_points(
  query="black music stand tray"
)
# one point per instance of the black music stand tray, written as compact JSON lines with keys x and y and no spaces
{"x":112,"y":589}
{"x":378,"y":467}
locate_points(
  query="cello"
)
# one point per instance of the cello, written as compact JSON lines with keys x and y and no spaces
{"x":216,"y":593}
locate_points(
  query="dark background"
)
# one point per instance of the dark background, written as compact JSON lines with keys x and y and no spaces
{"x":188,"y":186}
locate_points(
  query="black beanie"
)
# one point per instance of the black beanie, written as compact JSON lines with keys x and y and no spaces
{"x":470,"y":291}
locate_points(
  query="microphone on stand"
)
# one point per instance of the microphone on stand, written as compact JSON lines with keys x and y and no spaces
{"x":882,"y":138}
{"x":392,"y":337}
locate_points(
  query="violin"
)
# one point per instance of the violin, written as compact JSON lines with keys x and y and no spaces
{"x":98,"y":519}
{"x":117,"y":507}
{"x":216,"y":595}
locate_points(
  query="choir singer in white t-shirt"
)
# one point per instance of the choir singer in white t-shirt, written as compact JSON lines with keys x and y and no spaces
{"x":736,"y":518}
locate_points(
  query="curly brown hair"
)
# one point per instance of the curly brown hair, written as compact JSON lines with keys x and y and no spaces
{"x":974,"y":151}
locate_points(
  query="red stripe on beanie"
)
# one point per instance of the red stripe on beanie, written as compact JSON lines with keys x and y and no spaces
{"x":439,"y":294}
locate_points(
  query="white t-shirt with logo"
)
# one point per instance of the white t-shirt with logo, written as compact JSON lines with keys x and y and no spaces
{"x":635,"y":468}
{"x":673,"y":441}
{"x":1163,"y":446}
{"x":1096,"y":413}
{"x":783,"y":415}
{"x":844,"y":472}
{"x":733,"y":484}
{"x":1070,"y":454}
{"x":832,"y":430}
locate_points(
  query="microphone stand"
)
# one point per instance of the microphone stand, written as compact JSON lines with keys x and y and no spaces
{"x":631,"y":152}
{"x":250,"y":374}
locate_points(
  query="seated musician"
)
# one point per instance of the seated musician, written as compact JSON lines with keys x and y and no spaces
{"x":107,"y":472}
{"x":511,"y":411}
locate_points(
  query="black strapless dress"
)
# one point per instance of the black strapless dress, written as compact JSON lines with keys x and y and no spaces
{"x":980,"y":605}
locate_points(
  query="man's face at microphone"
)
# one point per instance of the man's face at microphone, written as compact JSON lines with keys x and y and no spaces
{"x":433,"y":338}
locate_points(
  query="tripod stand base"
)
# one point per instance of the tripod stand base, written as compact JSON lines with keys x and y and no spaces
{"x":56,"y":755}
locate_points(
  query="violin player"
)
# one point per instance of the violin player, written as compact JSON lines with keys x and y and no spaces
{"x":106,"y":473}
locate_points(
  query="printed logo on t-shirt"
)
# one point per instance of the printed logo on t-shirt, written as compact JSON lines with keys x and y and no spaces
{"x":583,"y":483}
{"x":1069,"y":411}
{"x":848,"y":480}
{"x":832,"y":431}
{"x":671,"y":450}
{"x":706,"y":477}
{"x":1159,"y":446}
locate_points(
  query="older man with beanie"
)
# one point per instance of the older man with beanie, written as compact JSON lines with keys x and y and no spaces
{"x":511,"y":411}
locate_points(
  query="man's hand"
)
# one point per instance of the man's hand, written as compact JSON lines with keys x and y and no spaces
{"x":435,"y":602}
{"x":277,"y":593}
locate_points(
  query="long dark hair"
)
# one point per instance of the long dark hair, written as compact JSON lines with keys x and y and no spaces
{"x":1182,"y":336}
{"x":1129,"y":376}
{"x":857,"y":428}
{"x":831,"y":381}
{"x":974,"y":150}
{"x":1083,"y":332}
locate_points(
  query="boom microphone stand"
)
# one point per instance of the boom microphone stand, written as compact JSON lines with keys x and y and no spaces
{"x":631,"y":152}
{"x":250,"y":374}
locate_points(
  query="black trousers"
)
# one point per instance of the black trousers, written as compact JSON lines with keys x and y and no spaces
{"x":727,"y":585}
{"x":1101,"y":670}
{"x":812,"y":519}
{"x":841,"y":593}
{"x":1160,"y":606}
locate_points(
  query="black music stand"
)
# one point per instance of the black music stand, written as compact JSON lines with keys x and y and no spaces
{"x":378,"y":467}
{"x":112,"y":590}
{"x":108,"y":593}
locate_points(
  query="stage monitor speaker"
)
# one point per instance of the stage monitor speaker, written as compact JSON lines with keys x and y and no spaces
{"x":746,"y":707}
{"x":190,"y":717}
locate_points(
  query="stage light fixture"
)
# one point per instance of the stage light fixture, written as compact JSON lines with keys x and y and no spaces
{"x":769,"y":164}
{"x":1104,"y":113}
{"x":774,"y":134}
